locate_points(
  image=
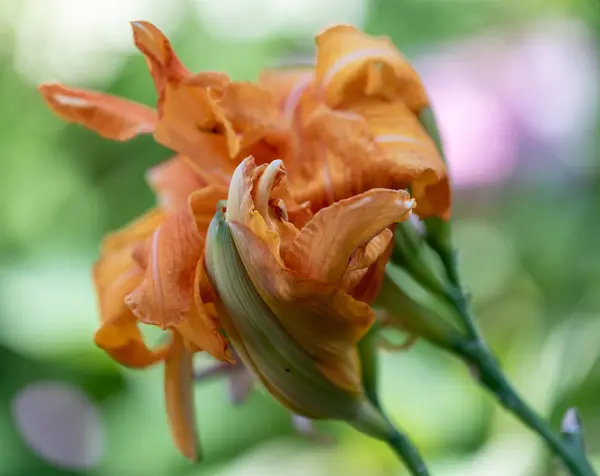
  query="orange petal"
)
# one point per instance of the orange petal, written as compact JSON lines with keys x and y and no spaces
{"x":124,"y":343}
{"x":162,"y":61}
{"x":366,"y":284}
{"x":248,"y":200}
{"x":179,"y":399}
{"x":323,"y":248}
{"x":248,"y":104}
{"x":116,"y":275}
{"x":173,"y":181}
{"x":351,"y":63}
{"x":251,"y":122}
{"x":409,"y":152}
{"x":134,"y":233}
{"x":188,"y":121}
{"x":187,"y":116}
{"x":287,"y":87}
{"x":109,"y":116}
{"x":203,"y":204}
{"x":201,"y":328}
{"x":324,"y":321}
{"x":165,"y":295}
{"x":365,"y":255}
{"x":374,"y":144}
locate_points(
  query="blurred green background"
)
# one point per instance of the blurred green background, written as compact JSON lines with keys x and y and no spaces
{"x":516,"y":87}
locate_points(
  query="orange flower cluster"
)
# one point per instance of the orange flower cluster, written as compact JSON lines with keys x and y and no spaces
{"x":332,"y":149}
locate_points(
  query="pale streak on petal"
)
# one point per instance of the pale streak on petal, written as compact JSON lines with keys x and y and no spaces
{"x":360,"y":203}
{"x":71,"y":101}
{"x":392,"y":138}
{"x":291,"y":101}
{"x":356,"y":56}
{"x":156,"y":270}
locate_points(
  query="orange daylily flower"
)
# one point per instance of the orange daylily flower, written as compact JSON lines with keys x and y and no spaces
{"x":346,"y":131}
{"x":356,"y":114}
{"x":152,"y":271}
{"x":305,"y":275}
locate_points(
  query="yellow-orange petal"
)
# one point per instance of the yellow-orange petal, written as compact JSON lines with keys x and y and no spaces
{"x":110,"y":116}
{"x":165,"y":295}
{"x":323,"y":248}
{"x":324,"y":320}
{"x":179,"y":399}
{"x":123,"y":341}
{"x":351,"y":63}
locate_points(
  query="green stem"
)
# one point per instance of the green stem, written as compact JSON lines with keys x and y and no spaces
{"x":408,"y":453}
{"x":475,"y":352}
{"x":456,"y":296}
{"x":398,"y":441}
{"x":485,"y":365}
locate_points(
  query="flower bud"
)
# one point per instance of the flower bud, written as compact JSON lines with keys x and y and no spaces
{"x":415,"y":309}
{"x":268,"y":350}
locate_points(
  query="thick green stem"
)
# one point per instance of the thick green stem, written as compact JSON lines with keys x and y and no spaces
{"x":489,"y":374}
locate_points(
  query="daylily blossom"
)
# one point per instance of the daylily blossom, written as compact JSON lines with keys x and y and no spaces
{"x":311,"y":213}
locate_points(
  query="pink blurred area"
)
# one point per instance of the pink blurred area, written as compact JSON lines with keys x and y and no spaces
{"x":495,"y":93}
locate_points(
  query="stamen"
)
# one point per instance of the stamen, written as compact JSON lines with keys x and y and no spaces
{"x":265,"y":185}
{"x":282,"y":210}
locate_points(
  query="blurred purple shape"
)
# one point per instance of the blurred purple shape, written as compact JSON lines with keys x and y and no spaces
{"x":499,"y":94}
{"x":306,"y":427}
{"x":241,"y":384}
{"x":60,"y":424}
{"x":479,"y":138}
{"x":478,"y":135}
{"x":551,"y":82}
